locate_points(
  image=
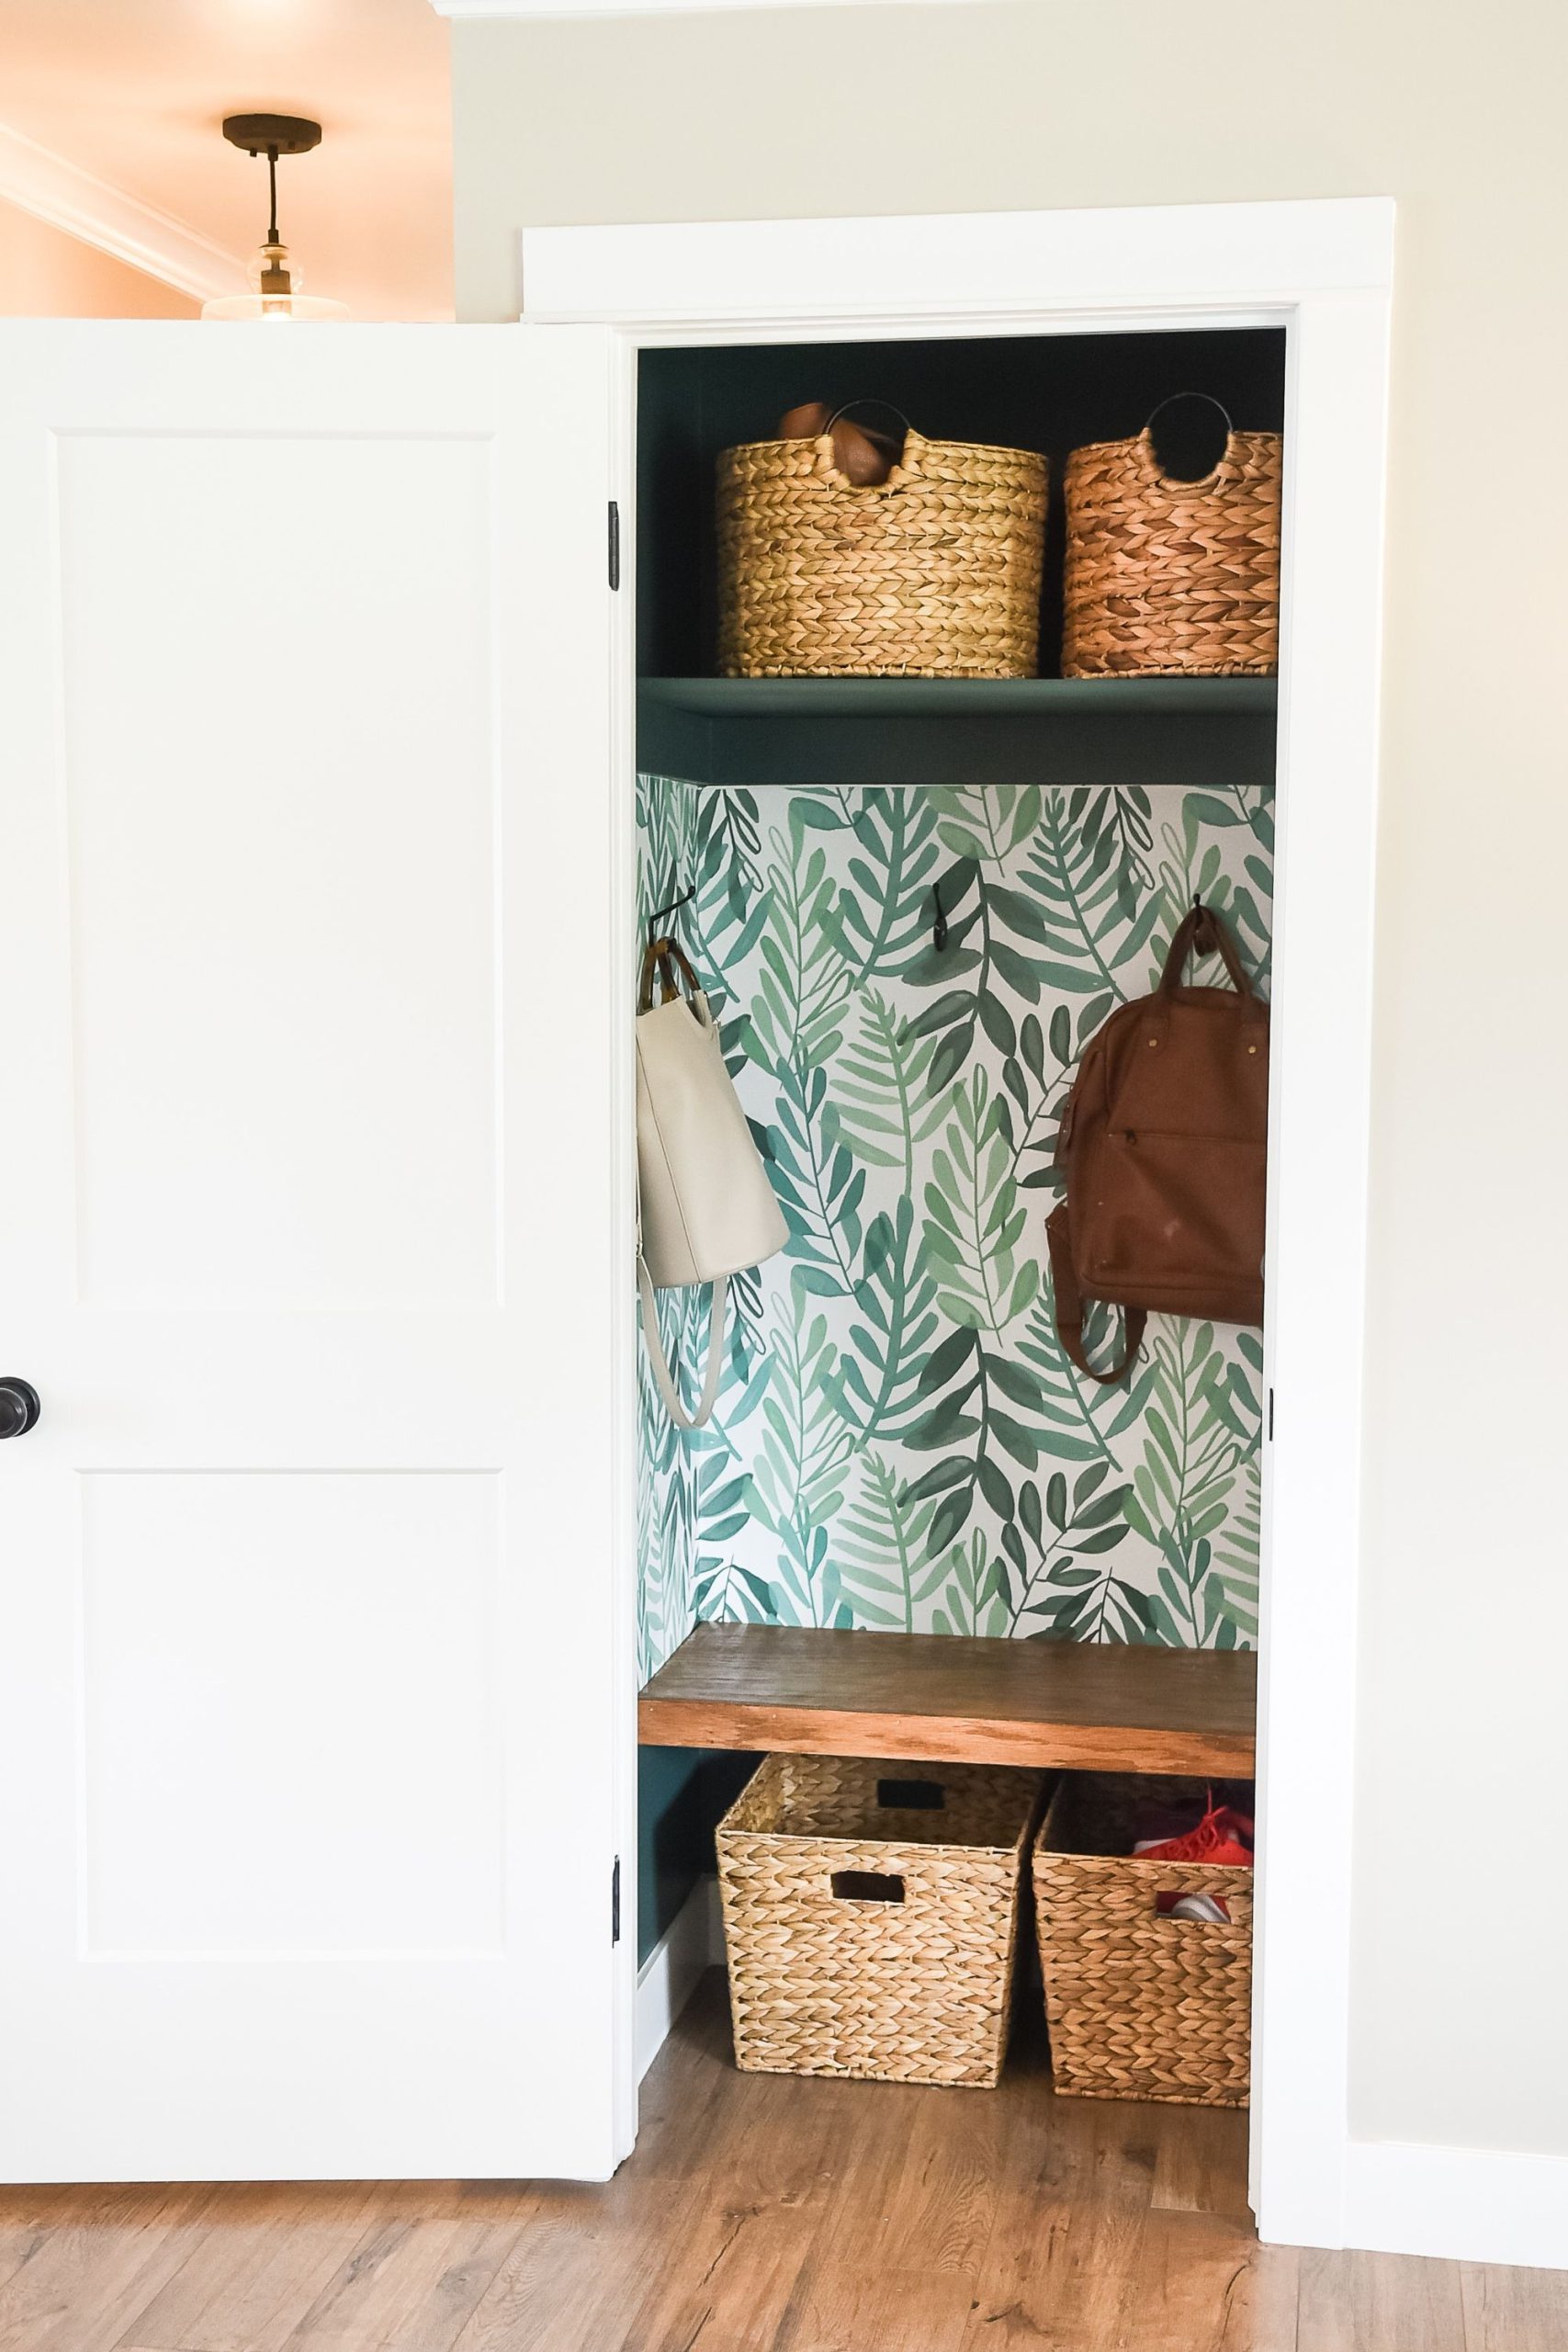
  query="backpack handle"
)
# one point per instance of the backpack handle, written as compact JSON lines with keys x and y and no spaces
{"x":1201,"y":933}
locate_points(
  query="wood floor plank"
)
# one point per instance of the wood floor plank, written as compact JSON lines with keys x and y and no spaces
{"x":1057,"y":2273}
{"x":1352,"y":2302}
{"x":896,"y":2256}
{"x":588,"y":2257}
{"x":762,"y":2213}
{"x":579,"y":2265}
{"x":1204,"y":2282}
{"x":408,"y":2286}
{"x":1513,"y":2310}
{"x":1202,"y":2163}
{"x":269,"y":2250}
{"x":774,"y":2170}
{"x":86,"y":2278}
{"x":1059,"y":2278}
{"x":31,"y":2218}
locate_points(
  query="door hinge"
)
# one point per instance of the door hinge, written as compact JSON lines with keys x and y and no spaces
{"x":614,"y":544}
{"x":615,"y":1902}
{"x":1270,"y":1417}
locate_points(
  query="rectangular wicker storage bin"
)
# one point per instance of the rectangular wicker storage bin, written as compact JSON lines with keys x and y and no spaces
{"x":1140,"y":2006}
{"x":1171,"y":579}
{"x":933,"y":574}
{"x":871,"y":1914}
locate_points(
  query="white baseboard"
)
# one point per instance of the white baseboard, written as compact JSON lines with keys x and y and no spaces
{"x":669,"y":1976}
{"x":1469,"y":2204}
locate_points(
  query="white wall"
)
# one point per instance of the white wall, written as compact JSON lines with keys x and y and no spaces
{"x":1461,"y":1913}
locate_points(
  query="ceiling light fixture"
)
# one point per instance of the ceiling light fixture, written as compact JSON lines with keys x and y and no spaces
{"x":275,"y":281}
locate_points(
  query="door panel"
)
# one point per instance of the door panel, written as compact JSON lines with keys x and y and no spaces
{"x":325,"y":1643}
{"x":308,"y":1697}
{"x":288,"y":926}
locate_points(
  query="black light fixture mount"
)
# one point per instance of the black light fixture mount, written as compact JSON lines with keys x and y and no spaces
{"x":282,"y":134}
{"x":275,"y":281}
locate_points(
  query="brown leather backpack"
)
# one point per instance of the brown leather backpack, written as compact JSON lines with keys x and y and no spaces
{"x":1163,"y":1143}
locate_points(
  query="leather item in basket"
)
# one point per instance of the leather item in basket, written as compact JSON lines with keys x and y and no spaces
{"x":862,"y":455}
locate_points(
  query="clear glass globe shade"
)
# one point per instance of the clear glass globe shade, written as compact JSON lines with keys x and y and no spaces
{"x":275,"y":296}
{"x":303,"y":309}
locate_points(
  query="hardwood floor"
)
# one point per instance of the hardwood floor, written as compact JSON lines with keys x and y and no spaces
{"x":761,"y":2215}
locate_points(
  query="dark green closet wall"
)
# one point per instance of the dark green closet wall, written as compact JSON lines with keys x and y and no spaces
{"x":900,"y":1442}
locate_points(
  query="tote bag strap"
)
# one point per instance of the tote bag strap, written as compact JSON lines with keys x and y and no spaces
{"x":661,"y":1371}
{"x":663,"y":960}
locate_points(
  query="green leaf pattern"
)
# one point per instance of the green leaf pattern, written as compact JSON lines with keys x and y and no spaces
{"x":900,"y":1442}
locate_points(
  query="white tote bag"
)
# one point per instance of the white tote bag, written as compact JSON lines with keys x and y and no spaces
{"x":705,"y":1206}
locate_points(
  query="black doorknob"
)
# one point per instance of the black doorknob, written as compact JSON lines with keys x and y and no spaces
{"x":19,"y":1407}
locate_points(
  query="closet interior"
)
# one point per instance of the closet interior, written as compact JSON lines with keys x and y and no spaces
{"x":912,"y":1529}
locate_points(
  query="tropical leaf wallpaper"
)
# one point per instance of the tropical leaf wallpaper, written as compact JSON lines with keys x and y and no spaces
{"x":899,"y":1441}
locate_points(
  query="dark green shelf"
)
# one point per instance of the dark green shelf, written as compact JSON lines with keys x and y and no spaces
{"x":923,"y":732}
{"x":955,"y":697}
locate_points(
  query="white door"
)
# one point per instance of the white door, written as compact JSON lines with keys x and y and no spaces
{"x":308,"y":1714}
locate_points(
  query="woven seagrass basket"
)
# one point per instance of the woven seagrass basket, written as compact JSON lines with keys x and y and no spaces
{"x":1172,"y":579}
{"x":1140,"y":2006}
{"x":933,"y":574}
{"x":871,"y":1917}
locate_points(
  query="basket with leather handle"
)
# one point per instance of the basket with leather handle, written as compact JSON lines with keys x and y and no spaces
{"x":931,"y":571}
{"x":1164,"y":1145}
{"x":1169,"y":579}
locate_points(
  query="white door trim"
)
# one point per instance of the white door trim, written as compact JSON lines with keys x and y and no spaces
{"x":959,"y":273}
{"x":1323,"y":272}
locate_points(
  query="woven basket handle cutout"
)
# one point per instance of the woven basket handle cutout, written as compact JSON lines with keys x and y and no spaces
{"x":1223,"y":471}
{"x":911,"y":1797}
{"x":866,"y":1886}
{"x":907,"y":468}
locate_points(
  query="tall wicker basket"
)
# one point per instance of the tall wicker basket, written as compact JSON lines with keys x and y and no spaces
{"x":1171,"y":579}
{"x":871,"y":1914}
{"x":1140,"y":2006}
{"x":933,"y":574}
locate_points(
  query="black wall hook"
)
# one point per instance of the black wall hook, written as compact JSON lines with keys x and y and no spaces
{"x":939,"y":929}
{"x":657,"y":920}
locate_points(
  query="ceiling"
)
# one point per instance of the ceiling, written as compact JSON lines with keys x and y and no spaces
{"x":133,"y":91}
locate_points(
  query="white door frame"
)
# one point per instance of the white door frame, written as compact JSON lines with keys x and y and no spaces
{"x":1322,"y":270}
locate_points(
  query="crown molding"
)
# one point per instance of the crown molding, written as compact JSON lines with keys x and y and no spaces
{"x":55,"y":189}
